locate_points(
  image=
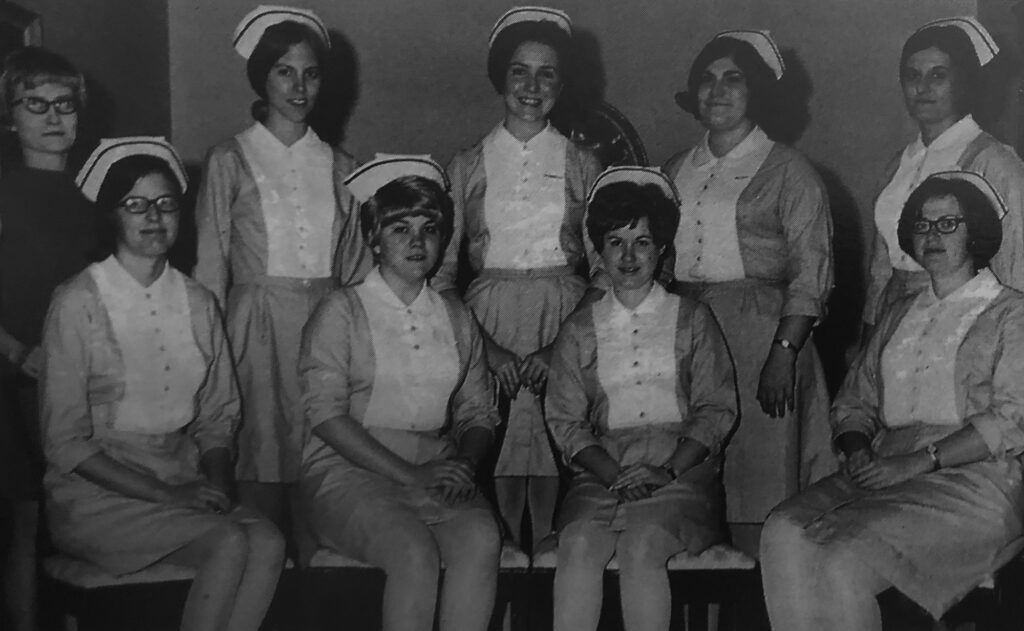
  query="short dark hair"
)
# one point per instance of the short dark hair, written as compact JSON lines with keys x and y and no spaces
{"x":120,"y":179}
{"x":275,"y":43}
{"x":955,"y":43}
{"x":624,"y":204}
{"x":408,"y":196}
{"x":984,"y":229}
{"x":761,"y":81}
{"x":30,"y":67}
{"x":509,"y":40}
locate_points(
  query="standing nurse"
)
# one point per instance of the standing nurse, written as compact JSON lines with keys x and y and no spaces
{"x":755,"y":244}
{"x":276,"y":232}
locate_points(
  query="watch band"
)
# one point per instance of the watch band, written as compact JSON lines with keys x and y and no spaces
{"x":786,"y":344}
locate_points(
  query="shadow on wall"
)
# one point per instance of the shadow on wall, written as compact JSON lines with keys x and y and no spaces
{"x":183,"y":255}
{"x":339,"y":92}
{"x":792,"y":114}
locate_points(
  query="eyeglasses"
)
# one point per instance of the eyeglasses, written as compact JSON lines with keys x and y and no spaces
{"x":943,"y":225}
{"x":38,"y":105}
{"x":165,"y":204}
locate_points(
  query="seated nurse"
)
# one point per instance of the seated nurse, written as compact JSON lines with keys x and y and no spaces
{"x":398,"y":408}
{"x":930,"y":421}
{"x":641,"y":395}
{"x":139,"y":405}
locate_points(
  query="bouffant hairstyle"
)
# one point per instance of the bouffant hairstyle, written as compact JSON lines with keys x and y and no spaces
{"x":624,"y":204}
{"x":408,"y":196}
{"x":31,"y":67}
{"x":761,"y":81}
{"x":955,"y":43}
{"x":120,"y":179}
{"x":510,"y":38}
{"x":275,"y":43}
{"x":984,"y":229}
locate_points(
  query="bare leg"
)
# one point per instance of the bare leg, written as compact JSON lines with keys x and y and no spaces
{"x":808,"y":586}
{"x":405,"y":549}
{"x":262,"y":571}
{"x":584,"y":549}
{"x":642,"y":552}
{"x":19,"y":575}
{"x":219,"y":557}
{"x":511,"y":496}
{"x":542,"y":493}
{"x":470,"y":546}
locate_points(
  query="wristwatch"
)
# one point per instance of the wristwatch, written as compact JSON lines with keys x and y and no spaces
{"x":786,"y":344}
{"x":669,"y":469}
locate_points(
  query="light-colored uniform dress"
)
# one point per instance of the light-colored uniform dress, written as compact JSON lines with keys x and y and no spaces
{"x":277,"y":230}
{"x":755,"y":244}
{"x":636,"y":382}
{"x":964,"y":146}
{"x":143,"y":375}
{"x":932,"y":367}
{"x":520,"y":208}
{"x":414,"y":376}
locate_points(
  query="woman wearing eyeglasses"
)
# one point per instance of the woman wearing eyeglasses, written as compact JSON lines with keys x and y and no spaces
{"x":47,"y":234}
{"x":930,"y":424}
{"x":139,"y":405}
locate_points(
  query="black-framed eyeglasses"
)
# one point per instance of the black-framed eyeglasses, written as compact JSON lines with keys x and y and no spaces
{"x":165,"y":204}
{"x":39,"y":105}
{"x":943,"y":225}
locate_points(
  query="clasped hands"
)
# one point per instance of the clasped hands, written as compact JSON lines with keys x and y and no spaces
{"x":452,"y":479}
{"x":639,"y":481}
{"x":512,"y":372}
{"x":201,"y":495}
{"x":869,"y":471}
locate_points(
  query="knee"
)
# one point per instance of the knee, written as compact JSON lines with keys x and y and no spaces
{"x":644,"y":546}
{"x":584,"y":543}
{"x":408,"y":550}
{"x":229,"y":544}
{"x":479,"y":538}
{"x":266,"y":543}
{"x":782,"y":535}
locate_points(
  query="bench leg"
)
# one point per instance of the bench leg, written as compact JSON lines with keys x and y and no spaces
{"x":69,"y":622}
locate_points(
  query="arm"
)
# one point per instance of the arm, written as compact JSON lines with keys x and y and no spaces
{"x":217,"y":193}
{"x":569,"y":399}
{"x":458,"y":175}
{"x":353,"y":260}
{"x":879,"y":272}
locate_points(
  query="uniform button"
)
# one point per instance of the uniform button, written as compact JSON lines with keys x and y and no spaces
{"x":152,"y":313}
{"x":700,"y":240}
{"x":643,"y":414}
{"x":148,"y":296}
{"x":163,"y":348}
{"x":416,"y":347}
{"x":638,"y":383}
{"x":635,"y":331}
{"x":167,"y":368}
{"x":167,"y":388}
{"x":636,"y":363}
{"x":698,"y":203}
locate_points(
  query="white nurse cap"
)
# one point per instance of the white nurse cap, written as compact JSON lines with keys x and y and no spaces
{"x":113,"y":150}
{"x":636,"y":175}
{"x":979,"y":182}
{"x":763,"y":44}
{"x":984,"y":46}
{"x":365,"y":181}
{"x":251,"y":28}
{"x":530,"y":14}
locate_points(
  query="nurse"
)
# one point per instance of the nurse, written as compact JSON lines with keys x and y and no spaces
{"x":755,"y":244}
{"x":940,"y":74}
{"x":520,"y":196}
{"x":399,"y":415}
{"x":276,"y":232}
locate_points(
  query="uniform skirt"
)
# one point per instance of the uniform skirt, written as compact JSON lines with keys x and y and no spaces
{"x":522,"y":311}
{"x":265,"y":320}
{"x":766,"y":459}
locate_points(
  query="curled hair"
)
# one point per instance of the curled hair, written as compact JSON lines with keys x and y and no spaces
{"x":984,"y":229}
{"x":408,"y":196}
{"x":31,"y":67}
{"x":955,"y":43}
{"x":509,"y":40}
{"x":120,"y":179}
{"x":275,"y":43}
{"x":624,"y":204}
{"x":761,"y":82}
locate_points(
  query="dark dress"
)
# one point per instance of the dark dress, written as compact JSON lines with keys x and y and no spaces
{"x":47,"y":235}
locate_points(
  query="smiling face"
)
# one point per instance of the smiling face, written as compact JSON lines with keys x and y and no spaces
{"x":928,"y":79}
{"x":45,"y":135}
{"x":722,"y":96}
{"x":152,"y":233}
{"x":293,"y":85}
{"x":408,"y":247}
{"x":533,"y":82}
{"x":630,"y":256}
{"x":943,"y":254}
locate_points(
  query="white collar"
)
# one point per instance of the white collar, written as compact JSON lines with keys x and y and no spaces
{"x":548,"y":138}
{"x":379,"y":287}
{"x":652,"y":302}
{"x":984,"y":286}
{"x":126,"y":284}
{"x":959,"y":134}
{"x":755,"y":139}
{"x":265,"y":140}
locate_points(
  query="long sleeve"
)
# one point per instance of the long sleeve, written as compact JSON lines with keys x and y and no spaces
{"x":879,"y":272}
{"x":324,"y":360}
{"x":472,"y":405}
{"x":568,"y":403}
{"x":710,"y":380}
{"x":66,"y":417}
{"x":458,"y":176}
{"x":807,"y":226}
{"x":857,"y":406}
{"x":219,"y":404}
{"x":213,"y":222}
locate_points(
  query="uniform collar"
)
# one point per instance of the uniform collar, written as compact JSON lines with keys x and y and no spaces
{"x":379,"y":287}
{"x":959,"y":134}
{"x":754,"y":140}
{"x":652,"y":303}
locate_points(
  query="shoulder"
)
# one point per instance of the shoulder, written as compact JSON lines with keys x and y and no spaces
{"x":673,"y":164}
{"x":794,"y":162}
{"x":344,"y":162}
{"x":225,"y":151}
{"x":986,"y":153}
{"x":199,"y":296}
{"x":78,"y":292}
{"x":1008,"y":306}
